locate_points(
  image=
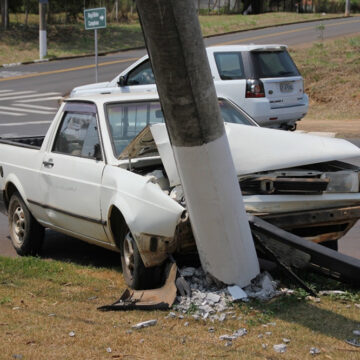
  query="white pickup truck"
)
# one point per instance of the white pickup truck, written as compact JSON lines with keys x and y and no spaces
{"x":104,"y":173}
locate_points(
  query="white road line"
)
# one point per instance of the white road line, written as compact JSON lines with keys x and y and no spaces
{"x":35,"y":107}
{"x":6,"y":91}
{"x":41,"y":99}
{"x":11,"y":113}
{"x":26,"y":110}
{"x":6,"y":96}
{"x":28,"y":96}
{"x":25,"y":123}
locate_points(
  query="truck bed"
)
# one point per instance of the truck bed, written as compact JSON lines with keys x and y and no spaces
{"x":33,"y":142}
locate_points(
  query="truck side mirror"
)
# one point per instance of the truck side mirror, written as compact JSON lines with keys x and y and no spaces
{"x":122,"y":81}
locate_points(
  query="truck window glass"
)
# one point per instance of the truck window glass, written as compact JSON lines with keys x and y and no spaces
{"x":141,"y":75}
{"x":78,"y":135}
{"x":229,"y":65}
{"x":127,"y":120}
{"x":271,"y":64}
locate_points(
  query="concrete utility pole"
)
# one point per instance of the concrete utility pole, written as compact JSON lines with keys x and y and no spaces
{"x":347,"y":8}
{"x":42,"y":28}
{"x":200,"y":145}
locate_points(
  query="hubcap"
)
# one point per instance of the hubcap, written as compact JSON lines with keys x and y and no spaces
{"x":129,"y":253}
{"x":18,"y":225}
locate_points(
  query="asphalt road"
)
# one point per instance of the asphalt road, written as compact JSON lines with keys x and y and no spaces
{"x":29,"y":97}
{"x":29,"y":94}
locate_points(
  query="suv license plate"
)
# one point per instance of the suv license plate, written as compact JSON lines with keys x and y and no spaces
{"x":286,"y":87}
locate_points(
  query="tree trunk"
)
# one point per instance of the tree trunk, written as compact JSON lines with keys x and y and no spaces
{"x":5,"y":14}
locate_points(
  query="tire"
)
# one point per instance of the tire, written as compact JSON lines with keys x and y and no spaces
{"x":26,"y":233}
{"x":136,"y":275}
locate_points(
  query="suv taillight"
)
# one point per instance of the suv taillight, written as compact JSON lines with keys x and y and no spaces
{"x":254,"y":88}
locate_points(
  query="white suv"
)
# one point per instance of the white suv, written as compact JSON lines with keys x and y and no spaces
{"x":262,"y":79}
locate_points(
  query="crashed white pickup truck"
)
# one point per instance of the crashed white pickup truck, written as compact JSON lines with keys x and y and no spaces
{"x":105,"y":173}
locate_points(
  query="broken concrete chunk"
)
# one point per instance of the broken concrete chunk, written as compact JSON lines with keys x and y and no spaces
{"x":264,"y":346}
{"x":144,"y":324}
{"x":353,"y":342}
{"x":285,"y":340}
{"x":227,"y":337}
{"x":72,"y":333}
{"x":186,"y":324}
{"x":213,"y":297}
{"x":222,"y":317}
{"x":240,"y":332}
{"x":237,"y":293}
{"x":228,"y":343}
{"x":332,"y":292}
{"x":314,"y":351}
{"x":263,"y":287}
{"x":280,"y":348}
{"x":108,"y":350}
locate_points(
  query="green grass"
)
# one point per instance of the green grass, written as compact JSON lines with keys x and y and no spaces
{"x":20,"y":43}
{"x":42,"y":300}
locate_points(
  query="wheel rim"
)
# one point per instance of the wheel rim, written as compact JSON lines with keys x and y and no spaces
{"x":18,"y":225}
{"x":129,"y":254}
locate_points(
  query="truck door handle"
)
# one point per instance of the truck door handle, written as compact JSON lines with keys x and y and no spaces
{"x":48,"y":164}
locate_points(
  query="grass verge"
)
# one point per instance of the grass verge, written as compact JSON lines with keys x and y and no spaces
{"x":42,"y":301}
{"x":20,"y":43}
{"x":332,"y":81}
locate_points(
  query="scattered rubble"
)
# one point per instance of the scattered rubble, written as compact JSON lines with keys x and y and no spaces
{"x":280,"y":348}
{"x":353,"y":342}
{"x":72,"y":333}
{"x":314,"y":351}
{"x":211,"y":300}
{"x":108,"y":350}
{"x":144,"y":324}
{"x":286,"y":341}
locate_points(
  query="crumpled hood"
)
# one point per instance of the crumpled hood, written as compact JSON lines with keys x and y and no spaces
{"x":256,"y":149}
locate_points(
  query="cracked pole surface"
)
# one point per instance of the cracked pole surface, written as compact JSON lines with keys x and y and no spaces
{"x":197,"y":134}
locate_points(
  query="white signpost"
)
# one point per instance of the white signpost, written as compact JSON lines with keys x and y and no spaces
{"x":95,"y":19}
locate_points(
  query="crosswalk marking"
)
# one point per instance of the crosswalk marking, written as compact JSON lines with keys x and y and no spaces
{"x":36,"y":107}
{"x":26,"y":123}
{"x":31,"y":111}
{"x":27,"y":96}
{"x":27,"y":102}
{"x":4,"y":96}
{"x":11,"y":113}
{"x":41,"y":99}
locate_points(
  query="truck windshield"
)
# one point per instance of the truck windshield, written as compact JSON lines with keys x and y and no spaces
{"x":126,"y":120}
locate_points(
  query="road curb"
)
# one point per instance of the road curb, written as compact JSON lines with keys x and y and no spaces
{"x":104,"y":53}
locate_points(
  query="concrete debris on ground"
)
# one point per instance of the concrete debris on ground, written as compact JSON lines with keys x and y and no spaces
{"x":212,"y":300}
{"x":72,"y":333}
{"x":108,"y":350}
{"x":144,"y":324}
{"x":314,"y":351}
{"x":280,"y":348}
{"x":353,"y":342}
{"x":332,"y":292}
{"x":236,"y":334}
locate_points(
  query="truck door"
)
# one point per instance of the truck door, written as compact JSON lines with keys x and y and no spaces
{"x":71,"y":173}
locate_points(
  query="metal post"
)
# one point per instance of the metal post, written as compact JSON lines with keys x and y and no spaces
{"x":42,"y":30}
{"x":96,"y":55}
{"x":347,"y":8}
{"x":117,"y":10}
{"x":199,"y":142}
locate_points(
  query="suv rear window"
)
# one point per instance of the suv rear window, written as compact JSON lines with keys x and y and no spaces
{"x":270,"y":64}
{"x":230,"y":65}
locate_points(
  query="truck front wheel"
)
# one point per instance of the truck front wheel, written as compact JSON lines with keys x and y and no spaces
{"x":26,"y":233}
{"x":136,"y":275}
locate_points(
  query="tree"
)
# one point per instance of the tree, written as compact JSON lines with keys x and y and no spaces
{"x":5,"y":14}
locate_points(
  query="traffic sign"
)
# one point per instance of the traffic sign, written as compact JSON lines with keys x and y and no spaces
{"x":95,"y":18}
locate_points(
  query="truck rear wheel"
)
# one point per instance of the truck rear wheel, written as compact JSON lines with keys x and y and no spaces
{"x":136,"y":275}
{"x":26,"y":233}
